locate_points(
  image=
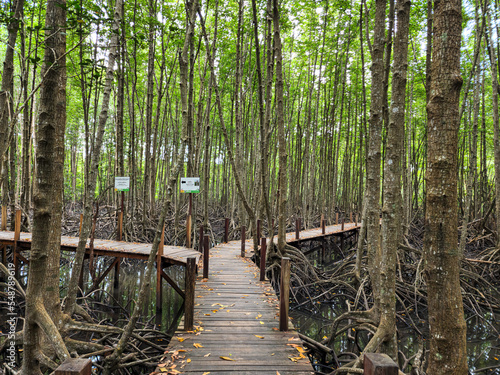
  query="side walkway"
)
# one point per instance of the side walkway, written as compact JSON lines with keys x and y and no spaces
{"x":236,"y":324}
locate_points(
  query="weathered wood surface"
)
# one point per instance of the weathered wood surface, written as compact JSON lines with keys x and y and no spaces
{"x":171,"y":254}
{"x":236,"y":318}
{"x":236,"y":323}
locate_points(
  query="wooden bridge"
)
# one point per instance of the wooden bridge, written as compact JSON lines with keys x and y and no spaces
{"x":237,"y":320}
{"x":235,"y":323}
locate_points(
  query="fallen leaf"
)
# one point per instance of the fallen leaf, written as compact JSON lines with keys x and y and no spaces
{"x":261,"y":322}
{"x":197,"y":346}
{"x":181,"y":339}
{"x":207,"y":355}
{"x":226,"y":358}
{"x":259,"y":337}
{"x":206,"y":373}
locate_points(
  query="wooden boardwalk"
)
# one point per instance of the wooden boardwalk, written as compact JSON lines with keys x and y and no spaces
{"x":236,"y":319}
{"x":235,"y":324}
{"x":117,"y":249}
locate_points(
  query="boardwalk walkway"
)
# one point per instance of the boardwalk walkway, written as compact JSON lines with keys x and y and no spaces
{"x":236,"y":320}
{"x":236,"y":324}
{"x":118,"y":249}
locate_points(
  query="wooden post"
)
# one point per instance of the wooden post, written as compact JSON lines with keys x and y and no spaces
{"x":17,"y":235}
{"x":258,"y":228}
{"x":75,"y":366}
{"x":4,"y":217}
{"x":323,"y":224}
{"x":336,"y":218}
{"x":17,"y":228}
{"x":343,"y":220}
{"x":379,"y":364}
{"x":159,"y":291}
{"x":120,"y":217}
{"x":206,"y":255}
{"x":243,"y":241}
{"x":189,"y":294}
{"x":284,"y":293}
{"x":226,"y":230}
{"x":189,"y":220}
{"x":200,"y":240}
{"x":297,"y":228}
{"x":350,"y":217}
{"x":116,"y":282}
{"x":263,"y":251}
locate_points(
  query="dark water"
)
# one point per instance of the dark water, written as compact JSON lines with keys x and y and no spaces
{"x":483,"y":340}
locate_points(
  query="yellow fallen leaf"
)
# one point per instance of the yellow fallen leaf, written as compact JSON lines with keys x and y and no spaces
{"x":226,"y":358}
{"x":277,"y":373}
{"x":300,"y":349}
{"x":163,"y":369}
{"x":207,"y":355}
{"x":258,"y":316}
{"x":181,"y":339}
{"x":259,"y":337}
{"x":188,"y":360}
{"x":173,"y":372}
{"x":261,"y":322}
{"x":206,"y":373}
{"x":196,"y":345}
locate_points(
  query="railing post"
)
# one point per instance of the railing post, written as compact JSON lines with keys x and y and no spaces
{"x":200,"y":240}
{"x":379,"y":364}
{"x":226,"y":230}
{"x":323,"y":224}
{"x":159,"y":291}
{"x":336,"y":218}
{"x":4,"y":217}
{"x":263,"y":251}
{"x":297,"y":228}
{"x":75,"y":366}
{"x":343,"y":220}
{"x":189,"y":294}
{"x":243,"y":241}
{"x":284,"y":293}
{"x":205,"y":257}
{"x":350,"y":217}
{"x":17,"y":235}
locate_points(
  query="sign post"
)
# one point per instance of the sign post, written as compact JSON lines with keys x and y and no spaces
{"x":122,"y":184}
{"x":190,"y":185}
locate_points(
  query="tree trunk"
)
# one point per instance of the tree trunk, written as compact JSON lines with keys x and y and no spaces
{"x":47,"y":199}
{"x":94,"y":164}
{"x":441,"y":254}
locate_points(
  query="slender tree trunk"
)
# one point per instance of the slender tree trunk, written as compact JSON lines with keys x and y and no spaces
{"x":392,"y":210}
{"x":95,"y":160}
{"x":6,"y":90}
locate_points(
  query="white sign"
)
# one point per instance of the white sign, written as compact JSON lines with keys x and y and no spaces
{"x":190,"y":185}
{"x":122,"y":183}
